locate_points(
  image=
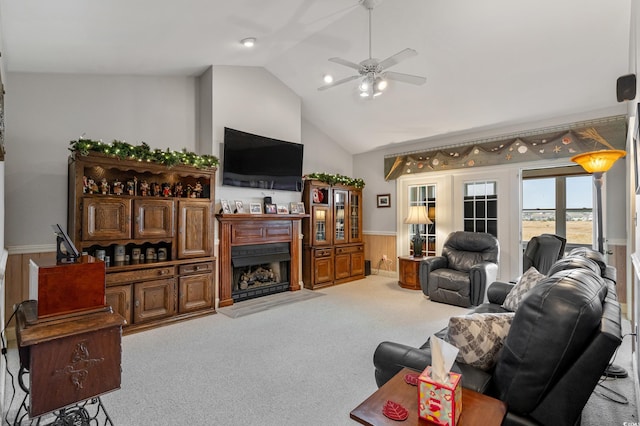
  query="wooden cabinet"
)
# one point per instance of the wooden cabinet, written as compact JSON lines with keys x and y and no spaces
{"x":105,"y":218}
{"x":154,"y":299}
{"x":195,"y":229}
{"x":119,"y":298}
{"x":195,"y":287}
{"x":409,"y":272}
{"x":167,"y":236}
{"x":334,"y":251}
{"x":153,"y":219}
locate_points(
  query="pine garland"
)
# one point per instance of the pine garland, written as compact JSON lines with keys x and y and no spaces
{"x":333,"y":179}
{"x":143,"y":152}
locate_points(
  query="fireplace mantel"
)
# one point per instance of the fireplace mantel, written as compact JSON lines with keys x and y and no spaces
{"x":243,"y":229}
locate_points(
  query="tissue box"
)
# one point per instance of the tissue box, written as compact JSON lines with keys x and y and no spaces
{"x":440,"y":403}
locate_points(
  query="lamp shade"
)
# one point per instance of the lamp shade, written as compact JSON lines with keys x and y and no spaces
{"x":417,"y":215}
{"x":598,"y":161}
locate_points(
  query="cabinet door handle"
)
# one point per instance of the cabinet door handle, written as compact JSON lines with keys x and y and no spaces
{"x":137,"y":303}
{"x":163,"y":272}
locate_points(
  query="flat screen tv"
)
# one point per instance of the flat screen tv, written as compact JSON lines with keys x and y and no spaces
{"x":254,"y":161}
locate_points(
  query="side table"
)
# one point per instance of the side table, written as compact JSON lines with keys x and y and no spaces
{"x":409,"y":272}
{"x":477,"y":409}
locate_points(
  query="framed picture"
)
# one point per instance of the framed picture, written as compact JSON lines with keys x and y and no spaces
{"x":301,"y":208}
{"x":239,"y":206}
{"x":270,"y":208}
{"x":255,"y":208}
{"x":226,"y":208}
{"x":383,"y":200}
{"x":293,"y":208}
{"x":282,"y":209}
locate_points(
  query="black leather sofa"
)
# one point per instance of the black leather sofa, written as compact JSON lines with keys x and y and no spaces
{"x":561,"y":339}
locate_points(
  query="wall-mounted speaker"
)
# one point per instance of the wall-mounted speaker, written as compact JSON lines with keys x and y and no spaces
{"x":626,"y":87}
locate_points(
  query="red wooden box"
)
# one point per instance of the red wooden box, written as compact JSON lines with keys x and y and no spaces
{"x":63,"y":288}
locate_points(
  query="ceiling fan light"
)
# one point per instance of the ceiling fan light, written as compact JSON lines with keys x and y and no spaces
{"x":248,"y":42}
{"x":364,"y":94}
{"x":381,"y":84}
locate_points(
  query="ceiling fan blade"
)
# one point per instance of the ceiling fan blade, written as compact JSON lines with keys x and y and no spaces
{"x":405,"y":78}
{"x":397,"y":58}
{"x":346,"y":63}
{"x":335,"y":83}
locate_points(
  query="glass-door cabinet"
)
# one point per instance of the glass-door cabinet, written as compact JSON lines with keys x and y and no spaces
{"x":355,"y":216}
{"x":340,"y":217}
{"x":321,"y":226}
{"x":333,"y":247}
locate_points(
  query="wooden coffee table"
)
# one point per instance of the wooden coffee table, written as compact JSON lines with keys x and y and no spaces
{"x":477,"y":409}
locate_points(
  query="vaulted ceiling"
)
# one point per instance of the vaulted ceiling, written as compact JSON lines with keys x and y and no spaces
{"x":487,"y":63}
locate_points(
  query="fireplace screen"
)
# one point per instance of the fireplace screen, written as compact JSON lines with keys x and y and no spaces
{"x":259,"y":270}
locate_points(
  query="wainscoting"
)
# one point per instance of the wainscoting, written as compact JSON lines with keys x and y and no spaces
{"x":375,"y":247}
{"x":17,"y":281}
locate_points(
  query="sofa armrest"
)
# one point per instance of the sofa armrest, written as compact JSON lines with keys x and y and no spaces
{"x":389,"y":358}
{"x":480,"y":276}
{"x":497,"y":292}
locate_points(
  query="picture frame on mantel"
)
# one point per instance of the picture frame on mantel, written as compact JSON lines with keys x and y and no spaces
{"x":383,"y":200}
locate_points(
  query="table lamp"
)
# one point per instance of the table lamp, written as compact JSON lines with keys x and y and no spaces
{"x":417,"y":216}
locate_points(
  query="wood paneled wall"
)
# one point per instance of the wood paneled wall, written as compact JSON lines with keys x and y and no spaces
{"x":376,"y":246}
{"x":618,"y":258}
{"x":17,"y":279}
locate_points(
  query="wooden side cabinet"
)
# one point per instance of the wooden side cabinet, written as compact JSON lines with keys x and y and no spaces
{"x":119,"y":298}
{"x":195,"y":287}
{"x":154,"y":299}
{"x":409,"y":275}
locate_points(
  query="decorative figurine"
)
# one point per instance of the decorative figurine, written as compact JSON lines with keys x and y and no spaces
{"x":177,"y":190}
{"x":197,"y":191}
{"x":85,"y":185}
{"x":131,"y":187}
{"x":104,"y":186}
{"x":155,"y":189}
{"x":166,"y":189}
{"x":144,"y":188}
{"x":117,"y":187}
{"x":93,"y":186}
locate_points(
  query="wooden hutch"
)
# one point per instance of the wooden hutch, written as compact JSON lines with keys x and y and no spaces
{"x":333,"y":245}
{"x":155,"y":224}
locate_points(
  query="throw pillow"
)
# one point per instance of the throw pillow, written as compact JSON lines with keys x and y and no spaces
{"x":527,"y":281}
{"x":479,"y":337}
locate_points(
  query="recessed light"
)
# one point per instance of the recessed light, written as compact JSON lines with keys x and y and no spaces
{"x":328,"y":78}
{"x":248,"y":42}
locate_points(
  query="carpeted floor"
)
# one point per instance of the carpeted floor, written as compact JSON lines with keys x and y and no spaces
{"x":307,"y":362}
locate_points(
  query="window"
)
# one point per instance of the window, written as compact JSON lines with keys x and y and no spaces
{"x":558,"y":201}
{"x":424,"y":195}
{"x":481,"y":207}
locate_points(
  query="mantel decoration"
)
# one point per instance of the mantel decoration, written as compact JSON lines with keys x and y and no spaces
{"x":543,"y":144}
{"x":143,"y":152}
{"x":333,"y":179}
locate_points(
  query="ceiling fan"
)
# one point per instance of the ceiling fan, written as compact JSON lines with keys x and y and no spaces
{"x":373,"y":73}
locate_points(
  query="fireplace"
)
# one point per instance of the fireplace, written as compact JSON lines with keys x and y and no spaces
{"x":259,"y":270}
{"x":248,"y":242}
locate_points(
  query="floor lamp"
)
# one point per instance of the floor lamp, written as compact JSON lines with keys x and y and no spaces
{"x":417,"y":216}
{"x":598,"y":163}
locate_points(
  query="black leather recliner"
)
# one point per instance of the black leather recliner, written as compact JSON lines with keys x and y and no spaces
{"x":562,"y":338}
{"x":469,"y":262}
{"x":542,"y":251}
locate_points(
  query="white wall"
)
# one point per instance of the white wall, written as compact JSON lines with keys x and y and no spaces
{"x":324,"y":155}
{"x":46,"y":111}
{"x":252,"y":100}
